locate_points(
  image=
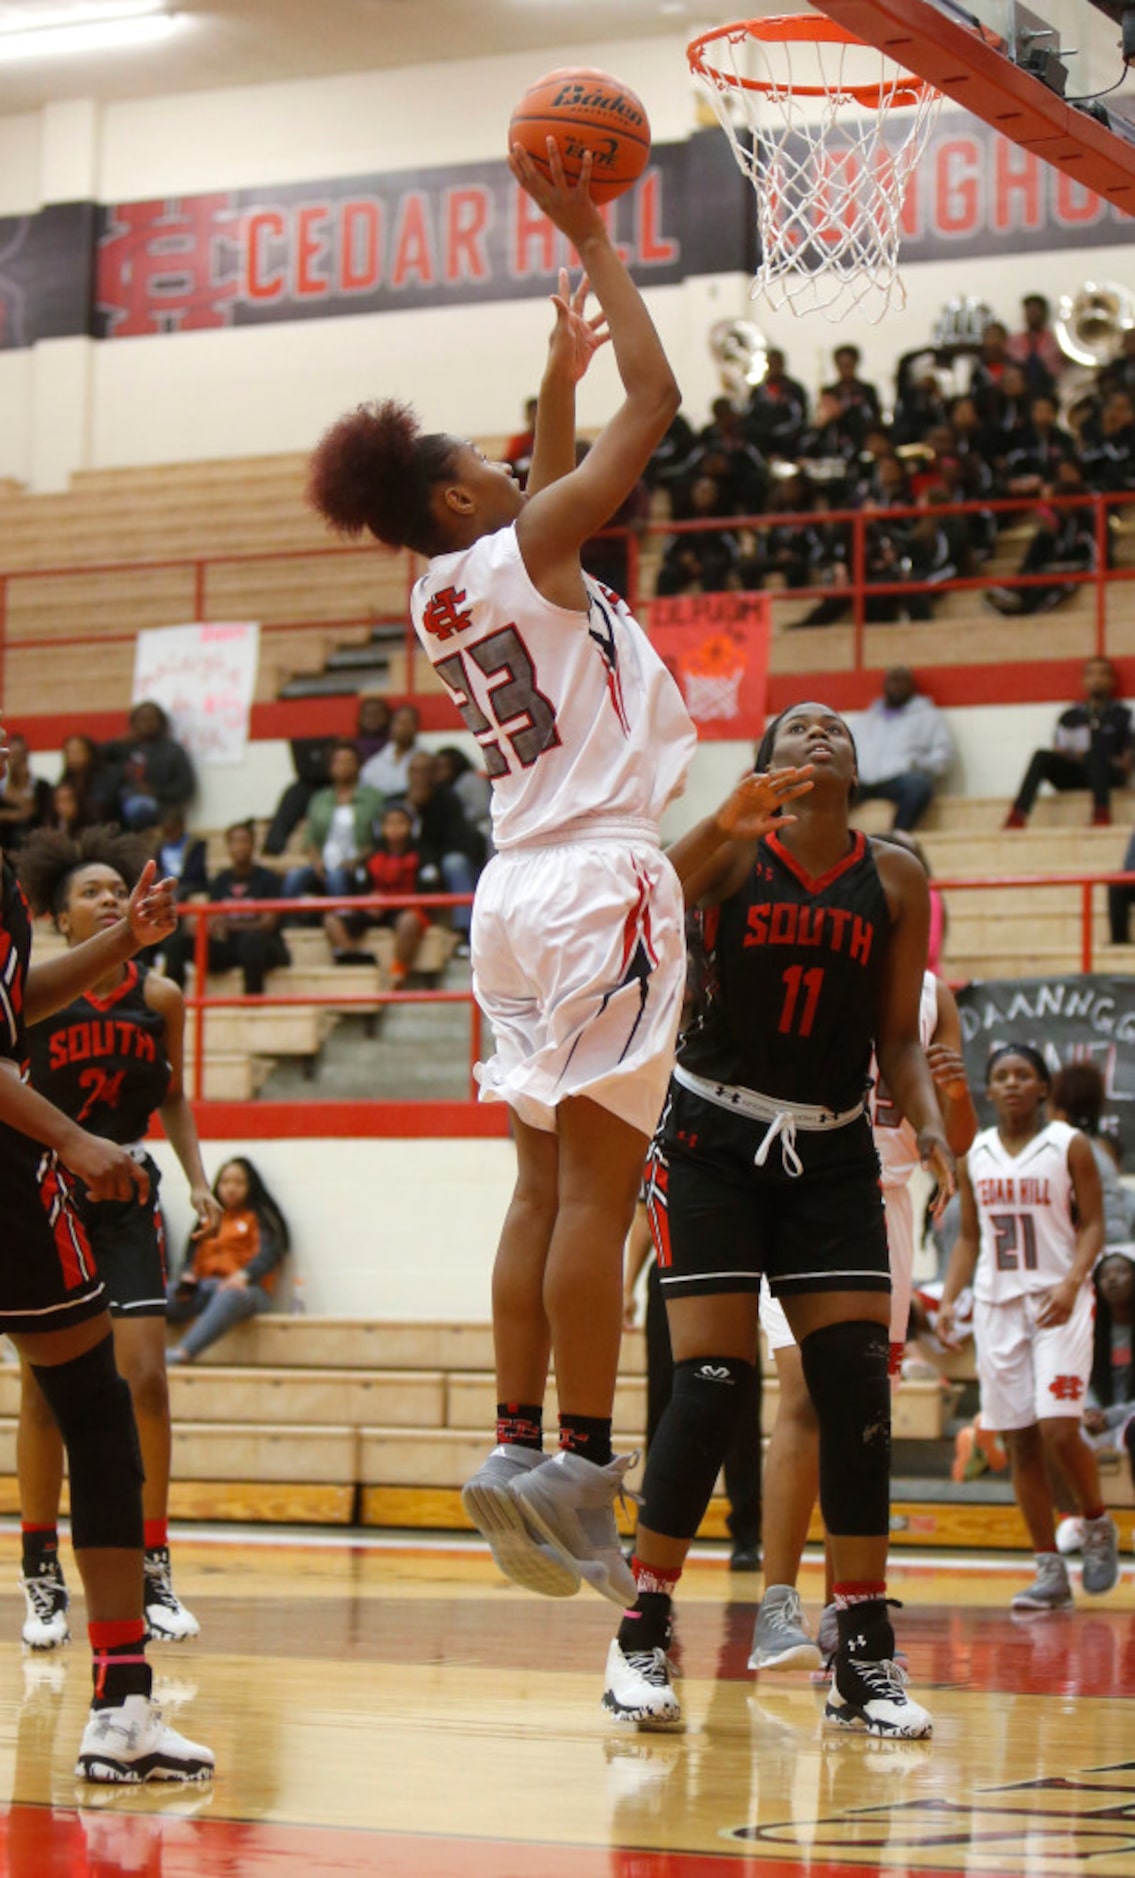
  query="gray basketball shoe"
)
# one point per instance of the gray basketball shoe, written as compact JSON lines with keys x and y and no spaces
{"x":519,"y":1553}
{"x":1050,"y":1589}
{"x":1101,"y":1554}
{"x":781,"y":1638}
{"x":570,"y":1504}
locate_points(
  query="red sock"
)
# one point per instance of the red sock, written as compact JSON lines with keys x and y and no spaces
{"x":861,"y":1591}
{"x":155,"y":1532}
{"x":657,"y":1579}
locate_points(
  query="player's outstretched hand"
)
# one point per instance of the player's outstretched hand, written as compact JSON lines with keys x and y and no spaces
{"x":152,"y":910}
{"x":757,"y":803}
{"x":575,"y":338}
{"x":569,"y":206}
{"x":105,"y":1169}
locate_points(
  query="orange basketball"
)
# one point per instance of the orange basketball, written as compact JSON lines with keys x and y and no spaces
{"x":584,"y":109}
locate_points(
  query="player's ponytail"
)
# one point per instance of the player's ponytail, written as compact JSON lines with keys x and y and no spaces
{"x":373,"y":471}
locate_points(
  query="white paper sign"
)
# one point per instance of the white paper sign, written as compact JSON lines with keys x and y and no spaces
{"x":204,"y":677}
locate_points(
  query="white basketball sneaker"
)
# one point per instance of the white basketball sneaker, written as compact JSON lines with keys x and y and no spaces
{"x":45,"y":1625}
{"x":167,"y":1620}
{"x":129,"y":1744}
{"x":639,"y":1691}
{"x":519,"y":1553}
{"x":868,"y":1689}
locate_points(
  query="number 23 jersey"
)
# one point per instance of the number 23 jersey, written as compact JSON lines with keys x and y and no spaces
{"x":576,"y":716}
{"x":1025,"y":1210}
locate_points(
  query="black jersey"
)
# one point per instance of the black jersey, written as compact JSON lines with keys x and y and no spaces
{"x":794,"y":967}
{"x":103,"y":1060}
{"x":15,"y":950}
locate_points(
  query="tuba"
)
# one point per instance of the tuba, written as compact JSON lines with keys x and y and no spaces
{"x":741,"y":351}
{"x":1090,"y":325}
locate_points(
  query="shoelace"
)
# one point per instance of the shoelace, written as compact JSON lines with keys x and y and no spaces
{"x":654,"y":1666}
{"x":43,"y":1593}
{"x":884,"y":1678}
{"x":786,"y":1616}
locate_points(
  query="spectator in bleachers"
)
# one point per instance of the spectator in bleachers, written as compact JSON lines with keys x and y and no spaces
{"x":518,"y":449}
{"x":69,"y":810}
{"x":372,"y":726}
{"x":453,"y":770}
{"x":154,"y":771}
{"x":919,"y":403}
{"x":670,"y":454}
{"x":249,"y":942}
{"x":229,"y":1273}
{"x":1119,"y":374}
{"x":1120,"y":900}
{"x":180,"y":854}
{"x":904,"y":747}
{"x":1077,"y":1097}
{"x":25,"y":800}
{"x":989,"y":371}
{"x":778,"y":411}
{"x":339,"y":830}
{"x":1012,"y":420}
{"x":1109,"y":1418}
{"x":452,"y":852}
{"x":1063,"y":542}
{"x":395,"y":867}
{"x":724,"y":452}
{"x":1092,"y":748}
{"x":858,"y":400}
{"x":1036,"y":346}
{"x":836,"y":437}
{"x":606,"y":557}
{"x":701,"y":560}
{"x":1034,"y":458}
{"x":1108,"y":454}
{"x":90,"y":776}
{"x":388,"y":771}
{"x":805,"y":552}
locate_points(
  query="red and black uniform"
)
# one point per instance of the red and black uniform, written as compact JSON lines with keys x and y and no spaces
{"x":764,"y":1159}
{"x":48,"y":1278}
{"x":103,"y":1061}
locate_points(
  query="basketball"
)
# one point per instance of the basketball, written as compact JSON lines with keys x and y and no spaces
{"x":584,"y":109}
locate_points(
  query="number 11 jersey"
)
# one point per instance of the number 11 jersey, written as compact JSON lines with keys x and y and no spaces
{"x":576,"y":716}
{"x":794,"y":969}
{"x":1025,"y":1209}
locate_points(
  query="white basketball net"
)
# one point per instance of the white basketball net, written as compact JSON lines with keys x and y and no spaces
{"x":829,"y":168}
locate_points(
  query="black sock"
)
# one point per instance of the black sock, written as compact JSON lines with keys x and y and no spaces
{"x":646,"y":1626}
{"x":588,"y":1435}
{"x":865,"y":1630}
{"x":40,"y":1550}
{"x":521,"y":1424}
{"x":119,"y":1670}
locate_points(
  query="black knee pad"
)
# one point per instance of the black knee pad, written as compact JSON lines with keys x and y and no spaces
{"x":92,"y":1406}
{"x":845,"y":1367}
{"x":686,"y":1455}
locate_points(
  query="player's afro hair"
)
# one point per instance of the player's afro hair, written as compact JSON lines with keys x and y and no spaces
{"x":373,"y":471}
{"x":49,"y":857}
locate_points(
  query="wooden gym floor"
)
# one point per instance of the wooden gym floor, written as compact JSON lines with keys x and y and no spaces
{"x":379,"y":1707}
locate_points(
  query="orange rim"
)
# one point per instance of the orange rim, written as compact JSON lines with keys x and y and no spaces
{"x":790,"y":29}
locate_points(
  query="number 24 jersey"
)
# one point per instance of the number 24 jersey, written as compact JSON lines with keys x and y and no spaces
{"x":1025,"y":1210}
{"x":575,"y":714}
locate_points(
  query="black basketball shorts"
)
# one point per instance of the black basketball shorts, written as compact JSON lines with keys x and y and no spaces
{"x":719,"y":1220}
{"x":48,"y":1274}
{"x":129,"y":1243}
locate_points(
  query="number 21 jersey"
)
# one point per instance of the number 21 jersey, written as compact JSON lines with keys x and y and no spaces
{"x":1024,"y":1205}
{"x":576,"y":716}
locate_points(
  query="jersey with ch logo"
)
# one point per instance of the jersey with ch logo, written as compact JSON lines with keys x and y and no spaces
{"x":1025,"y":1208}
{"x":103,"y":1060}
{"x":575,"y":714}
{"x":794,"y":968}
{"x":895,"y":1139}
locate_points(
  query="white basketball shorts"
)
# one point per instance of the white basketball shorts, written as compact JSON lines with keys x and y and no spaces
{"x":579,"y":964}
{"x":1028,"y":1374}
{"x":899,"y":1209}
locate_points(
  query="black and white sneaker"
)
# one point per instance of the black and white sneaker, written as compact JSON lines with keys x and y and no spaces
{"x":640,"y":1692}
{"x":167,"y":1620}
{"x":129,"y":1744}
{"x":46,"y":1599}
{"x":870,"y":1695}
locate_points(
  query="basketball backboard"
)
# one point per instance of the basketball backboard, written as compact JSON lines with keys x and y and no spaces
{"x":1050,"y":74}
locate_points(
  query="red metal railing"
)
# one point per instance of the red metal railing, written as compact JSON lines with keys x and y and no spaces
{"x":201,"y":1001}
{"x":858,"y":591}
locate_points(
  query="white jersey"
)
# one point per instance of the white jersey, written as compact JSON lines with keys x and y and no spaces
{"x":577,"y":717}
{"x":1024,"y":1205}
{"x":895,"y":1139}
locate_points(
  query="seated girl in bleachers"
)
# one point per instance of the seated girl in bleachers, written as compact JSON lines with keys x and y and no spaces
{"x":394,"y":867}
{"x":234,"y":1266}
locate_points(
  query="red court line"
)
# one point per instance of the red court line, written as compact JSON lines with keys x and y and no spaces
{"x":36,"y":1842}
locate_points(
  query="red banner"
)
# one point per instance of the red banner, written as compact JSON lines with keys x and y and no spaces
{"x":716,"y":645}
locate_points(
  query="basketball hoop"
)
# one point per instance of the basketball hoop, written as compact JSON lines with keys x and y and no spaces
{"x":828,"y":131}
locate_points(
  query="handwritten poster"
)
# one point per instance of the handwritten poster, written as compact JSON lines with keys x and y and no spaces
{"x":204,"y":678}
{"x":716,"y":645}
